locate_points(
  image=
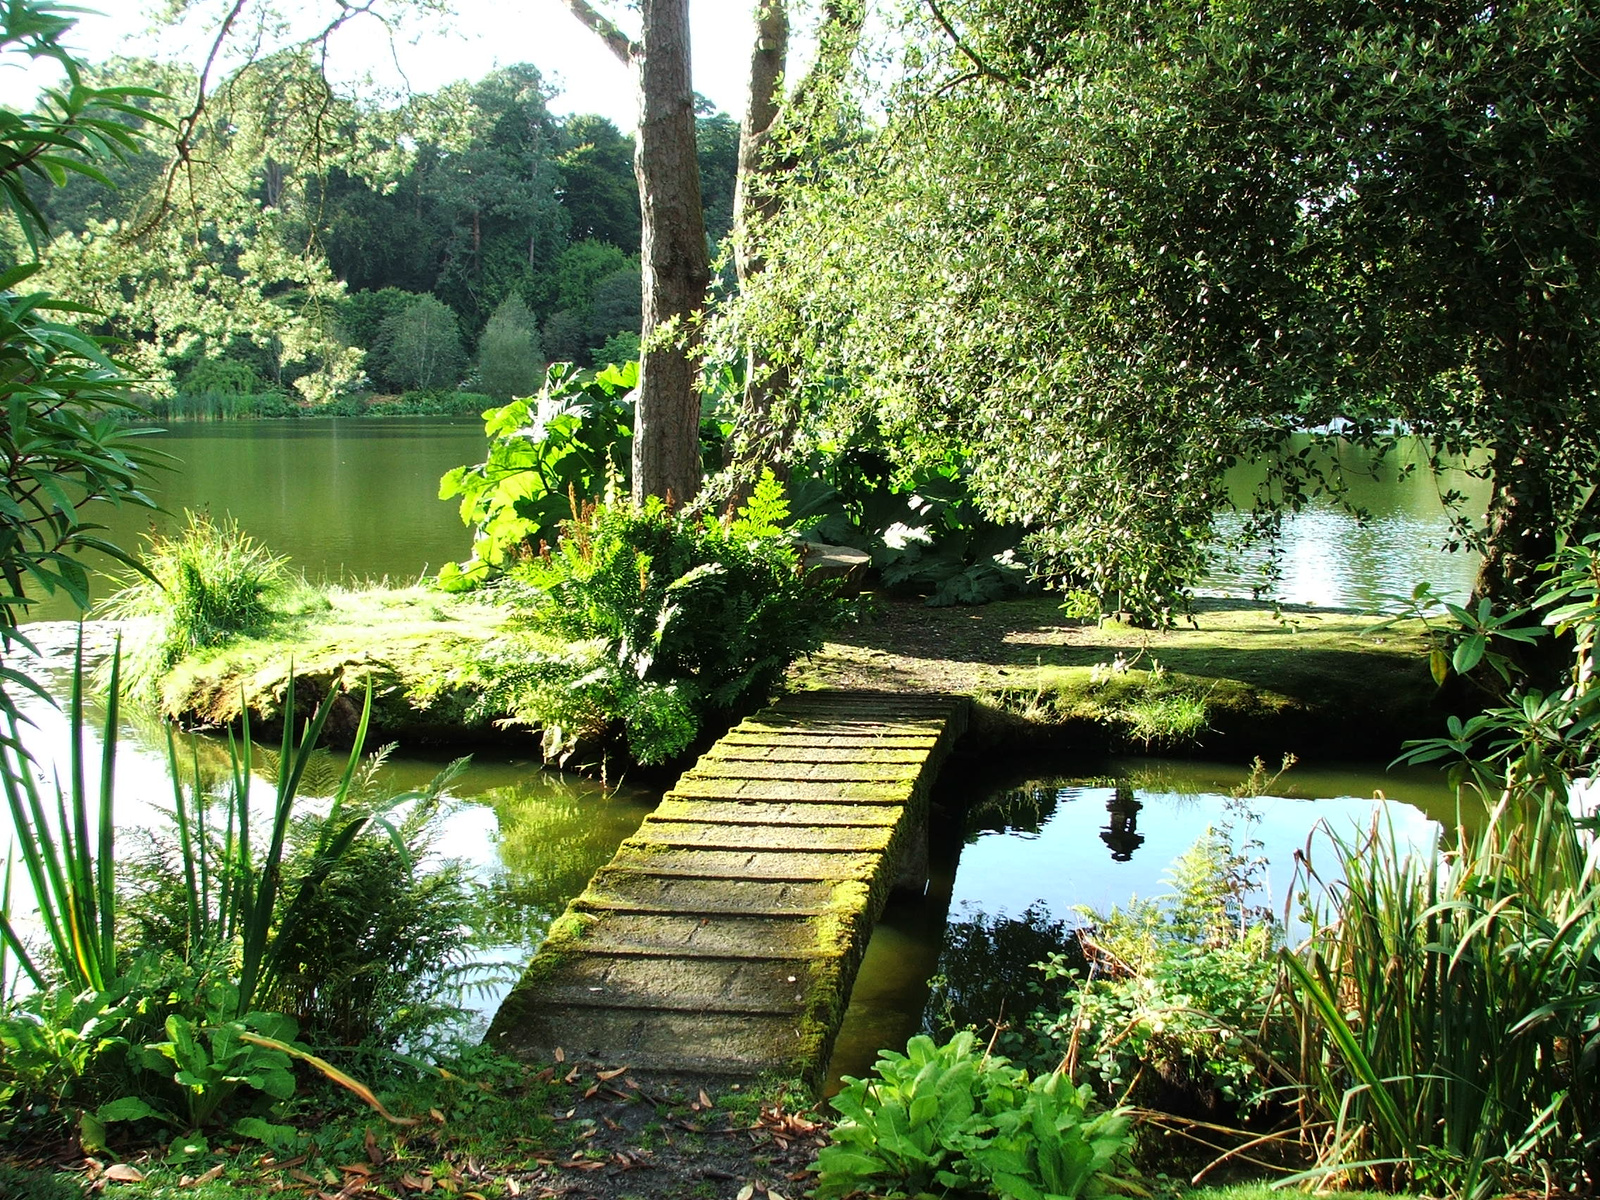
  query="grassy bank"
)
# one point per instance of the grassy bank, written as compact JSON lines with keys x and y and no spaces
{"x":1244,"y":679}
{"x":414,"y":645}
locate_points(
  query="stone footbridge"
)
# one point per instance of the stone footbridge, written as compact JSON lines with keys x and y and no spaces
{"x":725,"y":935}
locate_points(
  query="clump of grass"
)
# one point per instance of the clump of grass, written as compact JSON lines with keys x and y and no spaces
{"x":206,"y":584}
{"x":1168,"y":718}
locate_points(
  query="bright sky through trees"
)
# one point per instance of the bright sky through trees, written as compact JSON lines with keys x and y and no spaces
{"x":485,"y":34}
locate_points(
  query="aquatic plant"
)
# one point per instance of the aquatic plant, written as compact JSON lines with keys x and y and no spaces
{"x":1448,"y":999}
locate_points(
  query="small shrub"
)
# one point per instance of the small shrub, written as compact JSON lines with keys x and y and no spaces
{"x":952,"y":1118}
{"x":660,"y":619}
{"x":1174,"y":996}
{"x":177,"y":1034}
{"x":208,"y":583}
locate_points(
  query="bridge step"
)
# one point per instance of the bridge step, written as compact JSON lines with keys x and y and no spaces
{"x":724,"y":936}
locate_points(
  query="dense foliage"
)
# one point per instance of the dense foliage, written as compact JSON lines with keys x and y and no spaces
{"x":294,"y":221}
{"x":653,"y":621}
{"x":162,"y":990}
{"x":1111,"y":250}
{"x":1450,"y":1003}
{"x":547,"y":454}
{"x":63,"y":445}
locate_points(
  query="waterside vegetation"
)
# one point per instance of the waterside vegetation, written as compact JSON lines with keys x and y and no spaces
{"x":1011,"y":330}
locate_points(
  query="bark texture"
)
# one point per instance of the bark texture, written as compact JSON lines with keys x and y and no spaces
{"x":764,"y":432}
{"x":666,"y":443}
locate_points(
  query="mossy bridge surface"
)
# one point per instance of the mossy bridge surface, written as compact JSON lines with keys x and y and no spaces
{"x":725,"y":935}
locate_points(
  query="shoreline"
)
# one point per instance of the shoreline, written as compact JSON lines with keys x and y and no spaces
{"x":1246,"y":679}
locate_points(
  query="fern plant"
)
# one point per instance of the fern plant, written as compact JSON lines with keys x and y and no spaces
{"x":648,"y":621}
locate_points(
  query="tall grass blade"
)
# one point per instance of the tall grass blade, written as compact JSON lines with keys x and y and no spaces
{"x":105,"y":881}
{"x":1349,"y":1046}
{"x":191,"y":854}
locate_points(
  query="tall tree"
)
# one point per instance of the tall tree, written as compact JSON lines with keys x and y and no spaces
{"x":509,"y":352}
{"x":676,"y":269}
{"x":597,"y":185}
{"x":770,"y":136}
{"x":1114,"y":249}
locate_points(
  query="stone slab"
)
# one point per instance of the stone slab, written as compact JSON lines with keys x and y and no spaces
{"x":682,"y":984}
{"x":844,"y":741}
{"x":711,"y":935}
{"x":703,"y":835}
{"x":828,"y":772}
{"x":801,"y":813}
{"x":745,"y":864}
{"x":841,"y":728}
{"x":710,"y":1043}
{"x":630,"y":891}
{"x":868,"y":752}
{"x":854,"y":791}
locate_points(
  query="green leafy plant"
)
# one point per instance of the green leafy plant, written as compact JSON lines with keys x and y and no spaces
{"x":64,"y":444}
{"x":545,"y":453}
{"x":86,"y":1034}
{"x":1448,"y":998}
{"x":925,"y":535}
{"x":650,"y":620}
{"x":954,"y":1118}
{"x":1461,"y":637}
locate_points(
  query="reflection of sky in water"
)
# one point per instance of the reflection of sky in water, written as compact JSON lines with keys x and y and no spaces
{"x":1327,"y":557}
{"x":1067,"y":864}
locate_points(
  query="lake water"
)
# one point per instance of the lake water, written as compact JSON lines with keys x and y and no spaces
{"x":355,"y":499}
{"x":1018,"y":851}
{"x":344,"y":499}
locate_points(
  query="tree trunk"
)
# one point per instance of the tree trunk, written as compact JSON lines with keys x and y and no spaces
{"x":764,"y":431}
{"x":755,"y":200}
{"x":1519,"y":537}
{"x":666,"y":441}
{"x":760,"y":435}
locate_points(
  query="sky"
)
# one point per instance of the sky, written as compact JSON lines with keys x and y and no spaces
{"x":485,"y":34}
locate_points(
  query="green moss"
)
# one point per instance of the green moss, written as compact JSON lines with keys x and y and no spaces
{"x":561,"y":945}
{"x":415,"y":646}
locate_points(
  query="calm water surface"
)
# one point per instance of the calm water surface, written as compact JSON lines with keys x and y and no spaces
{"x":1015,"y":858}
{"x":345,"y":499}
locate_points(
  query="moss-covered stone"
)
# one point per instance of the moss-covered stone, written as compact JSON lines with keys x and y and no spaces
{"x":414,"y":647}
{"x":727,"y":944}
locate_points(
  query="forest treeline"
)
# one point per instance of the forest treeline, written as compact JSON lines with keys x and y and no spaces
{"x":311,"y":246}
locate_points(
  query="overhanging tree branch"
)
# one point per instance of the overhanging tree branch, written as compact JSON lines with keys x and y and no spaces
{"x":617,"y":41}
{"x":971,"y":54}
